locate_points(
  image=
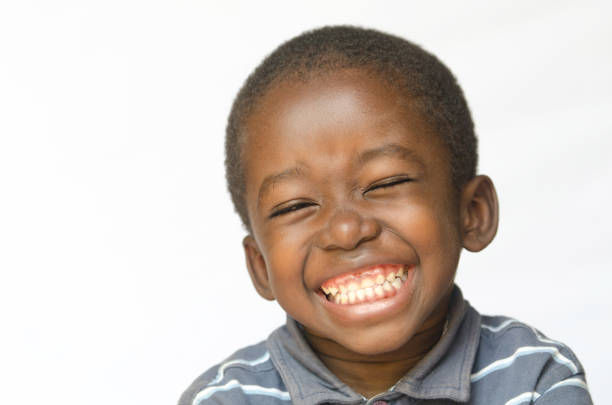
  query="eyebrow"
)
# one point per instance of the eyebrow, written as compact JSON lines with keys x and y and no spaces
{"x":391,"y":150}
{"x":271,"y":180}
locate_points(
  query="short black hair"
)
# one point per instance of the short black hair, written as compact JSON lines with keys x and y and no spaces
{"x":426,"y":81}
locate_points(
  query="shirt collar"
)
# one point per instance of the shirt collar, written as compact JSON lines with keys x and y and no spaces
{"x":443,"y":373}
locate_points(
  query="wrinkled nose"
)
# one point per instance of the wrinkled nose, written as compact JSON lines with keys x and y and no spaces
{"x":348,"y":229}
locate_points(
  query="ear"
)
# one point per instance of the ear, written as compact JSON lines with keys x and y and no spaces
{"x":257,"y":267}
{"x":479,"y":213}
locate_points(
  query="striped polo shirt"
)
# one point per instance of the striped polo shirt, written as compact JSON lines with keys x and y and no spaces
{"x":478,"y":360}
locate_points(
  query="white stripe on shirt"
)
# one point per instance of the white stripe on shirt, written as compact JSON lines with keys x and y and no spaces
{"x":530,"y":396}
{"x":222,"y":367}
{"x":524,"y":351}
{"x":247,"y":389}
{"x":507,"y":322}
{"x":576,"y":382}
{"x":524,"y":397}
{"x":498,"y":327}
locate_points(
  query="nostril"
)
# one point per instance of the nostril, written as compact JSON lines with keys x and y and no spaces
{"x":370,"y":228}
{"x":347,"y":229}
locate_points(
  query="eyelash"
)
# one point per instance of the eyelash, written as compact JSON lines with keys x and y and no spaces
{"x":391,"y":183}
{"x":290,"y":208}
{"x":299,"y":206}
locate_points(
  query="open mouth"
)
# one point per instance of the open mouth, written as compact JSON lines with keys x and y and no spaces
{"x":369,"y":285}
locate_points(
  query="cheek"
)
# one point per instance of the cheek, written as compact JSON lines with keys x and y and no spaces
{"x":432,"y":231}
{"x":285,"y":271}
{"x":284,"y":264}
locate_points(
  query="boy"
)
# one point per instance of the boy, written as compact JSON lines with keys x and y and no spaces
{"x":351,"y":159}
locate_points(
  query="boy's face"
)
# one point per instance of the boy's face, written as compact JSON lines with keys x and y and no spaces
{"x":345,"y":183}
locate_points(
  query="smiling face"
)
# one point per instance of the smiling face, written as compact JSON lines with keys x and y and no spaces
{"x":346,"y":187}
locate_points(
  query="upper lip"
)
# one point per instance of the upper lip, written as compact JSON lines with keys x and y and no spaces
{"x":357,"y":266}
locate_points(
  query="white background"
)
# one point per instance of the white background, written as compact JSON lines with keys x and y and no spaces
{"x":122,"y":275}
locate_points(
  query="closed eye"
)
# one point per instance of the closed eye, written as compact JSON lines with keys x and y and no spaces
{"x":290,"y":208}
{"x":395,"y":181}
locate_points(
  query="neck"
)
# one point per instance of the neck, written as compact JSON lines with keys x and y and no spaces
{"x":357,"y":370}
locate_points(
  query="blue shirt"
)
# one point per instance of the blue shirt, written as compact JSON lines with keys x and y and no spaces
{"x":478,"y":360}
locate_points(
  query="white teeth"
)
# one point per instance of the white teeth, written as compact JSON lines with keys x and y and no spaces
{"x":367,"y":289}
{"x":360,"y":295}
{"x":351,"y":297}
{"x":367,"y":282}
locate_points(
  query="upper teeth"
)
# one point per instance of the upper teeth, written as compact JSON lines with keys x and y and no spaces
{"x":369,"y":288}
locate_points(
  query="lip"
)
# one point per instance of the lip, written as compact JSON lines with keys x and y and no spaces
{"x":371,"y":311}
{"x":348,"y":276}
{"x":367,"y":261}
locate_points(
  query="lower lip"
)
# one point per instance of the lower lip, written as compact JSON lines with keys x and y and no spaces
{"x":371,"y":310}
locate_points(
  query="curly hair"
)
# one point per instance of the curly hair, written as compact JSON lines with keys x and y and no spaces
{"x":426,"y":81}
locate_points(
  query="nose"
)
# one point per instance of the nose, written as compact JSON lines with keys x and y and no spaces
{"x":348,"y":229}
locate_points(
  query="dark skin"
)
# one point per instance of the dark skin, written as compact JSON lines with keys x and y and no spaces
{"x":343,"y":175}
{"x":357,"y":371}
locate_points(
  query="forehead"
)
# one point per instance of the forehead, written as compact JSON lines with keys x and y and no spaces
{"x":338,"y":113}
{"x":333,"y":94}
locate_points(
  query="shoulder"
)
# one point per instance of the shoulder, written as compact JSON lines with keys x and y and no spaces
{"x":526,"y":365}
{"x":247,"y":377}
